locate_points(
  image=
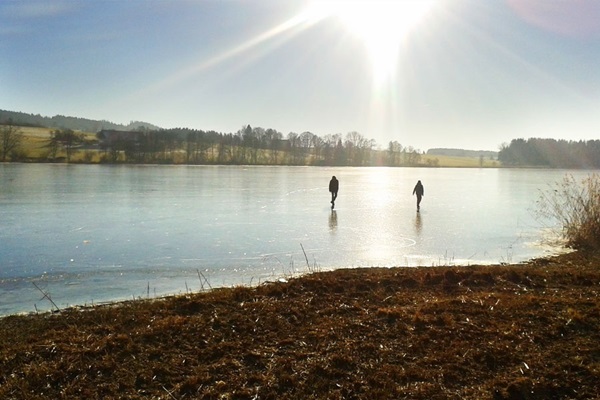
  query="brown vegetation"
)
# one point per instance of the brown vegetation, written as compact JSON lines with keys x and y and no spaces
{"x":576,"y":207}
{"x":529,"y":331}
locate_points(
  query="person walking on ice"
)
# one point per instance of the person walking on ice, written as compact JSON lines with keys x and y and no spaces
{"x":334,"y":186}
{"x":420,"y":192}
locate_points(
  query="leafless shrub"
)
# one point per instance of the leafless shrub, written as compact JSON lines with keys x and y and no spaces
{"x":575,"y":207}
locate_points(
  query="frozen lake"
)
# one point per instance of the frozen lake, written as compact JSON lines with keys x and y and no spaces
{"x":92,"y":233}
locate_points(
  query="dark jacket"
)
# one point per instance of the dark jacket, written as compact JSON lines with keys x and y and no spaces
{"x":419,"y":190}
{"x":334,"y":185}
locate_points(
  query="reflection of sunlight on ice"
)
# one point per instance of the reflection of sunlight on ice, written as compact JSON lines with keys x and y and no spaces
{"x":380,"y":198}
{"x":379,"y":251}
{"x":385,"y":248}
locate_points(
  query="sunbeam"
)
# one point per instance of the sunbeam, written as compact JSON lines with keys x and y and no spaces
{"x":275,"y":37}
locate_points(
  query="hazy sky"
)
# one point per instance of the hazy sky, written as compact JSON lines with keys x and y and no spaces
{"x":462,"y":73}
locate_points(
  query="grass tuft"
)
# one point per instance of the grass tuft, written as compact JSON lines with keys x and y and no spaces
{"x":575,"y":207}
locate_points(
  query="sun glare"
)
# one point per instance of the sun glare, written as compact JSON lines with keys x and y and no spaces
{"x":380,"y":24}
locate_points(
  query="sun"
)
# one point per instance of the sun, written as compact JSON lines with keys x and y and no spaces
{"x":381,"y":25}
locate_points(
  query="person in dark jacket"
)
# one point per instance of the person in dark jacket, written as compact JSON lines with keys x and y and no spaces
{"x":420,"y":192}
{"x":334,"y":186}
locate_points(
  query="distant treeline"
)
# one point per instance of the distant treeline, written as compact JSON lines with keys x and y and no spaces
{"x":255,"y":146}
{"x":141,"y":142}
{"x":551,"y":153}
{"x":62,"y":122}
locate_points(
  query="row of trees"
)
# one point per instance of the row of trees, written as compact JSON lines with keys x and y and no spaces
{"x":257,"y":146}
{"x":261,"y":146}
{"x":551,"y":153}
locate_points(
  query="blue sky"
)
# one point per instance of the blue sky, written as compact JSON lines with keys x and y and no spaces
{"x":468,"y":74}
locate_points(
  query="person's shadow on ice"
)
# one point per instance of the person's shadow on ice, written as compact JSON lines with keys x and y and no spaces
{"x":418,"y":224}
{"x":333,"y":222}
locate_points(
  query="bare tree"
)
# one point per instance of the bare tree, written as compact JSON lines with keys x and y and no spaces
{"x":275,"y":140}
{"x":256,"y":143}
{"x":305,"y":141}
{"x":67,"y":139}
{"x":317,"y":144}
{"x":10,"y":139}
{"x":395,"y":150}
{"x":294,"y":148}
{"x":356,"y":144}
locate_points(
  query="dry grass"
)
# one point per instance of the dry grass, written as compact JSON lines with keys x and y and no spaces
{"x":508,"y":332}
{"x":575,"y":206}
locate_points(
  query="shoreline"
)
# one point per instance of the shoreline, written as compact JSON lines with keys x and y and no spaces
{"x":521,"y":331}
{"x":298,"y":273}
